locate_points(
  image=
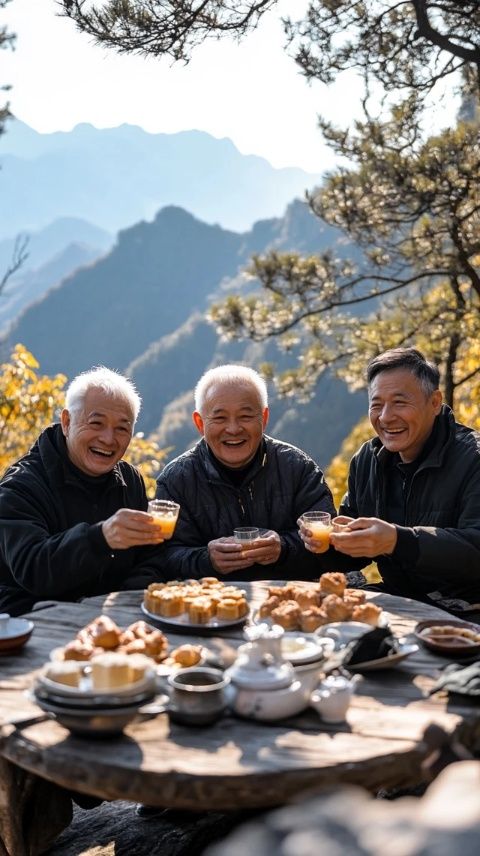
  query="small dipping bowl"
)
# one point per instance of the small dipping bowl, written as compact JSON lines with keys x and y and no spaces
{"x":197,"y":695}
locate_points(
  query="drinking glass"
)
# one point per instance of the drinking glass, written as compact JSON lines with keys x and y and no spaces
{"x":164,"y":513}
{"x":320,"y":525}
{"x":246,"y":536}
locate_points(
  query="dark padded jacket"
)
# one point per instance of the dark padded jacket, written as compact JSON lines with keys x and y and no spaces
{"x":51,"y":540}
{"x":441,"y":513}
{"x":286,"y":483}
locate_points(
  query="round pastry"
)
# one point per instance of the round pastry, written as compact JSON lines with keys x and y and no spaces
{"x":312,"y":618}
{"x":268,"y":605}
{"x":171,"y":602}
{"x":103,"y":632}
{"x":354,"y":596}
{"x":336,"y":609}
{"x":77,"y":650}
{"x":228,"y":609}
{"x":333,"y":583}
{"x":306,"y":598}
{"x":187,"y":655}
{"x":367,"y":612}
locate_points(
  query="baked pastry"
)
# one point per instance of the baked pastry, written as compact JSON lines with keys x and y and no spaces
{"x":306,"y":598}
{"x":171,"y":602}
{"x":67,"y":672}
{"x":201,"y":610}
{"x":102,"y":632}
{"x":336,"y":609}
{"x":312,"y":618}
{"x":367,"y":612}
{"x":187,"y":655}
{"x":354,"y":596}
{"x":333,"y":583}
{"x":139,"y":665}
{"x":110,"y":671}
{"x":287,"y":614}
{"x":265,"y":609}
{"x":77,"y":650}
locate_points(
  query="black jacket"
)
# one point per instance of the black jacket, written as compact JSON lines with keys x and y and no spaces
{"x":51,"y":540}
{"x":438,"y":548}
{"x":286,"y":483}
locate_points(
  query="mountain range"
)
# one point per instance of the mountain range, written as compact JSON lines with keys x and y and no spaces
{"x":140,"y":307}
{"x":114,"y":177}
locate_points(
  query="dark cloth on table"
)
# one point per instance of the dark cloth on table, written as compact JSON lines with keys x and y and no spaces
{"x":278,"y":486}
{"x":435,"y":505}
{"x":51,"y":540}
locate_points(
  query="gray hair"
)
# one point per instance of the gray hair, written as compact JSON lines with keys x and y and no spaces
{"x":112,"y":383}
{"x":410,"y":359}
{"x":229,"y":374}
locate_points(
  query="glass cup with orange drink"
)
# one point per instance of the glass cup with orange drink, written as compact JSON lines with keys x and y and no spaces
{"x":164,"y":514}
{"x":319,"y":524}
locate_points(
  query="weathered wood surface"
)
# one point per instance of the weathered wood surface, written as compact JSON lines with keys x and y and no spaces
{"x":444,"y":821}
{"x":233,"y":763}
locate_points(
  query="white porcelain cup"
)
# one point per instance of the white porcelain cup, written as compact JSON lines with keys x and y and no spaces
{"x":332,"y":697}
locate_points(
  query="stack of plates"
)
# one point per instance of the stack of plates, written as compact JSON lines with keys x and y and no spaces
{"x":92,"y":712}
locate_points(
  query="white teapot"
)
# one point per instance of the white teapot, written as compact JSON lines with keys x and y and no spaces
{"x":333,"y":696}
{"x":264,"y":685}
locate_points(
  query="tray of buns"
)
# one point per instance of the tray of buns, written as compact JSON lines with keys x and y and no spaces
{"x":302,"y":608}
{"x":205,"y":604}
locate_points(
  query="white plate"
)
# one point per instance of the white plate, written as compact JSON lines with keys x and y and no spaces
{"x":184,"y":621}
{"x":15,"y":627}
{"x":299,"y":648}
{"x":86,"y":689}
{"x":404,"y":650}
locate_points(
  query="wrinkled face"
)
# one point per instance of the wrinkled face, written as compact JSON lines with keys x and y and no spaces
{"x":401,"y":413}
{"x":98,"y":435}
{"x":232,"y":422}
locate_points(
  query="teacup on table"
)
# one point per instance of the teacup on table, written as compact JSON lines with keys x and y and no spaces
{"x":197,"y":695}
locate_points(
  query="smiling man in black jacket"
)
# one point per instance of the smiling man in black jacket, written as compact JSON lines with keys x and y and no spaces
{"x":73,"y":519}
{"x":237,"y":476}
{"x":414,"y":490}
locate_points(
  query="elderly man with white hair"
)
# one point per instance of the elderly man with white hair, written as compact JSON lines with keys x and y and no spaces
{"x":73,"y":518}
{"x":238,"y":476}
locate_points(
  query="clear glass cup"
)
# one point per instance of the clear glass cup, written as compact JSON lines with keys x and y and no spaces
{"x":246,"y":536}
{"x":319,"y":523}
{"x":165,"y":514}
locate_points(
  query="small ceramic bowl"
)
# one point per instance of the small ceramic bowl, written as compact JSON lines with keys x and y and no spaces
{"x":449,"y":644}
{"x":14,"y":632}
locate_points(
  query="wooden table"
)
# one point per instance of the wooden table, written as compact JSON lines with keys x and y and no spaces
{"x":232,"y":764}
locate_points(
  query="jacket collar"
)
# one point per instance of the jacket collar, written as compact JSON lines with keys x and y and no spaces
{"x":214,"y":475}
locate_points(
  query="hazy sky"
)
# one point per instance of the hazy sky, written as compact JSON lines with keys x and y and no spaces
{"x":251,"y":93}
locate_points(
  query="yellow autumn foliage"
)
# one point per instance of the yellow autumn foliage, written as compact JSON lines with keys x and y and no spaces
{"x":29,"y":402}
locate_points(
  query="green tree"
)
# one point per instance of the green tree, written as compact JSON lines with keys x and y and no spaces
{"x":414,"y":209}
{"x":406,"y":43}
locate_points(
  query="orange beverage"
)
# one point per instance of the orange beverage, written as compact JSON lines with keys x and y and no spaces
{"x":320,"y":533}
{"x":164,"y":515}
{"x":319,"y":524}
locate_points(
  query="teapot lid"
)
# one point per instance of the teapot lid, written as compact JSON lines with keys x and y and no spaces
{"x":259,"y":664}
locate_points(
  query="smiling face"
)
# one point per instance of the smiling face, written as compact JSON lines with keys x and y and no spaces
{"x":232,"y":422}
{"x":97,"y":436}
{"x":401,"y":413}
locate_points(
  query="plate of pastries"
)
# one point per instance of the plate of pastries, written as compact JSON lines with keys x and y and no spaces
{"x":207,"y":603}
{"x":103,"y":636}
{"x":329,"y":600}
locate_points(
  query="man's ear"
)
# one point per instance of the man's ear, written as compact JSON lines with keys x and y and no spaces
{"x":265,"y":415}
{"x":65,"y":421}
{"x":198,"y":422}
{"x":437,"y":401}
